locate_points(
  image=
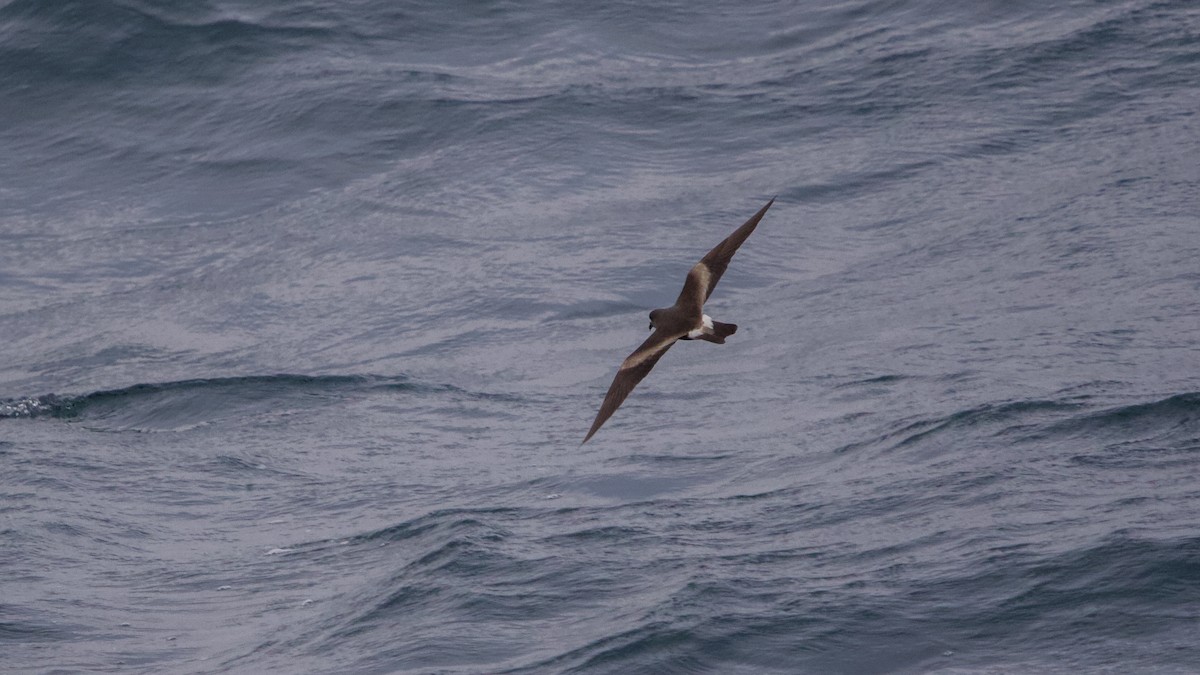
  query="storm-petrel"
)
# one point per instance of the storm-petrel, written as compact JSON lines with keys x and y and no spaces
{"x":685,"y":320}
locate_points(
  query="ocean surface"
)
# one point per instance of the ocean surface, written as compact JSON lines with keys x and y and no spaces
{"x":305,"y":308}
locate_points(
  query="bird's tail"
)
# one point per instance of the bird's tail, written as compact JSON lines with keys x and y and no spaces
{"x":720,"y":331}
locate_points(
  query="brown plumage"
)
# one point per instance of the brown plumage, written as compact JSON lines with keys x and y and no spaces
{"x":685,"y":320}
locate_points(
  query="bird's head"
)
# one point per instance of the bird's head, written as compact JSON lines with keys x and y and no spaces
{"x":652,"y":318}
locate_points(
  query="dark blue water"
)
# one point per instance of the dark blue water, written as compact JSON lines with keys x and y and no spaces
{"x":305,"y":308}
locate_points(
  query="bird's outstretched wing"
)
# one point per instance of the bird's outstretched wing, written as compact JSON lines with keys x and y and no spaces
{"x":635,"y":367}
{"x":704,"y":275}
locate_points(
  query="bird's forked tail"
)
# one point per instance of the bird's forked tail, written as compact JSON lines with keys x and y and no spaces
{"x":720,"y":331}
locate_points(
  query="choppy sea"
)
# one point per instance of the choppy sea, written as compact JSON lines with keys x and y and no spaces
{"x":305,"y":308}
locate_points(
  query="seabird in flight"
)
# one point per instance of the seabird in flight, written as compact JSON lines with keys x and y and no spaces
{"x":685,"y":320}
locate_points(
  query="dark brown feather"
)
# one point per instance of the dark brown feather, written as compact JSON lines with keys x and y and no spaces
{"x":635,"y":367}
{"x":704,"y":275}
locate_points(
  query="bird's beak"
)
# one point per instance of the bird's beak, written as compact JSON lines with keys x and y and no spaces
{"x":651,"y":327}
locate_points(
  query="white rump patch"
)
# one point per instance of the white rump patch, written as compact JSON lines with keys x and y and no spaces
{"x":706,"y":328}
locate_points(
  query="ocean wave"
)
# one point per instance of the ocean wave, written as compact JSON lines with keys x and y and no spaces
{"x":1178,"y":409}
{"x":997,"y":418}
{"x":180,"y":405}
{"x":98,"y":40}
{"x":1036,"y":420}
